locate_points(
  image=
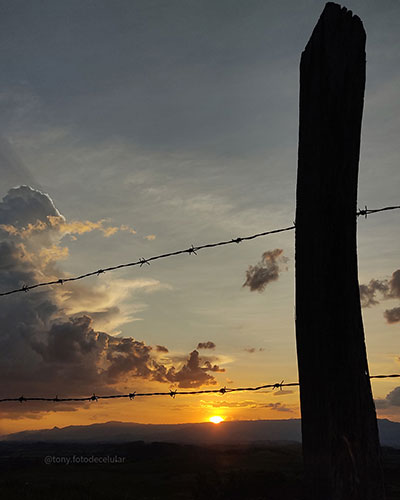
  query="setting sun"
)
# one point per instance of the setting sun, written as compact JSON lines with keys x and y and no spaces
{"x":216,"y":420}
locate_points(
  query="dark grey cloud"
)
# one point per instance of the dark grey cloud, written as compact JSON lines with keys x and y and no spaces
{"x":213,"y":62}
{"x":282,"y":392}
{"x":193,"y":373}
{"x":278,"y":407}
{"x":252,"y":350}
{"x":24,"y":205}
{"x":267,"y":270}
{"x":392,"y":315}
{"x":47,"y":351}
{"x":206,"y":345}
{"x":368,"y":292}
{"x":387,"y":289}
{"x":395,"y":284}
{"x":161,"y":348}
{"x":391,"y":399}
{"x":190,"y":70}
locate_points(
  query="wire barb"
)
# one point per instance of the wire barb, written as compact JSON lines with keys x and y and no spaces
{"x":191,"y":250}
{"x":142,"y":261}
{"x":278,"y":385}
{"x":363,"y":212}
{"x":367,"y":211}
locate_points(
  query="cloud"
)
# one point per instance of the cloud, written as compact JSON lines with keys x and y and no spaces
{"x":282,"y":392}
{"x":57,"y":340}
{"x":161,"y":348}
{"x":265,"y":271}
{"x":150,"y":237}
{"x":391,"y":399}
{"x":252,"y":350}
{"x":392,"y":315}
{"x":278,"y":407}
{"x":206,"y":345}
{"x":248,"y":403}
{"x":27,"y":212}
{"x":124,"y":227}
{"x":193,"y":373}
{"x":24,"y":205}
{"x":388,"y":289}
{"x":106,"y":303}
{"x":231,"y":404}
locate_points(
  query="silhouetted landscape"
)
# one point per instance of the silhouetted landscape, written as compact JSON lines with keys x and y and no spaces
{"x":162,"y":471}
{"x":235,"y":432}
{"x":252,"y":460}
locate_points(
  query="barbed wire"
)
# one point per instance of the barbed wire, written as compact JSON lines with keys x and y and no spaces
{"x":367,"y":211}
{"x":191,"y":251}
{"x":171,"y":393}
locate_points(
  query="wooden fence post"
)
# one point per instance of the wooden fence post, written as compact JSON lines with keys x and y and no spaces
{"x":339,"y":428}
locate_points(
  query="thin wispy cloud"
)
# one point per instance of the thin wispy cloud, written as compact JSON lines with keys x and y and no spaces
{"x":252,"y":350}
{"x":248,"y":403}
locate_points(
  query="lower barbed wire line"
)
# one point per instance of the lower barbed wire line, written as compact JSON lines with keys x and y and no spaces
{"x":172,"y":393}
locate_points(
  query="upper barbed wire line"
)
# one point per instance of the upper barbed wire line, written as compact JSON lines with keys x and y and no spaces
{"x":142,"y":261}
{"x":366,"y":211}
{"x":172,"y":393}
{"x":192,"y":250}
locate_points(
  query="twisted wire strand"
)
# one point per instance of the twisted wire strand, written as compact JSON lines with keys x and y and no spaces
{"x":172,"y":393}
{"x":367,"y":211}
{"x":142,"y":261}
{"x":191,"y":251}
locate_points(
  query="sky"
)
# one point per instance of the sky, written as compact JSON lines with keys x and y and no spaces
{"x":133,"y":128}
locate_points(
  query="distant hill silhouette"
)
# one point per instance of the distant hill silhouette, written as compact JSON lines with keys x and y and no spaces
{"x":236,"y":432}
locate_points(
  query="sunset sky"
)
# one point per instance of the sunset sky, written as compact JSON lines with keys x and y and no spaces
{"x":137,"y":128}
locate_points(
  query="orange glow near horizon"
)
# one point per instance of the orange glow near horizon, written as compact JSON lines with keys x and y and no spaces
{"x":216,"y":419}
